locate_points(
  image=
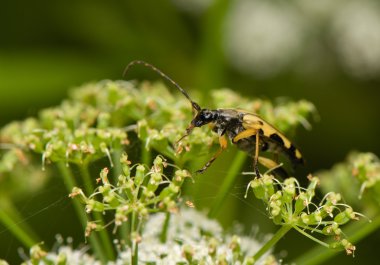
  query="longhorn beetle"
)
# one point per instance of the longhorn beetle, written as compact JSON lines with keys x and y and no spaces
{"x":248,"y":131}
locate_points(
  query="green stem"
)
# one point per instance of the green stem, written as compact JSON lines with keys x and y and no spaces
{"x":117,"y":171}
{"x":311,"y":237}
{"x":70,"y":182}
{"x":276,"y":237}
{"x":87,"y":181}
{"x":228,"y":183}
{"x":355,"y":232}
{"x":135,"y":253}
{"x":104,"y":237}
{"x":134,"y":256}
{"x":10,"y":209}
{"x":13,"y":225}
{"x":164,"y":233}
{"x":145,"y":155}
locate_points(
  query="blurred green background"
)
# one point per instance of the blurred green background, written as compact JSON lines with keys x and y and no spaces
{"x":327,"y":52}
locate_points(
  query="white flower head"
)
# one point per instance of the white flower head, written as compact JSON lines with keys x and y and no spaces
{"x":356,"y":36}
{"x":262,"y":37}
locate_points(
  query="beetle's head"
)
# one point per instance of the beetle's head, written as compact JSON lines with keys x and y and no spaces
{"x":203,"y":117}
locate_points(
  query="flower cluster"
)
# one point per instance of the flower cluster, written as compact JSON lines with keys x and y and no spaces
{"x":108,"y":118}
{"x":363,"y":172}
{"x":292,"y":206}
{"x":137,"y":193}
{"x":192,"y":238}
{"x":96,"y":119}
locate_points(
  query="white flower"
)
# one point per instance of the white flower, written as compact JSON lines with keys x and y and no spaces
{"x":186,"y":228}
{"x":262,"y":37}
{"x":356,"y":35}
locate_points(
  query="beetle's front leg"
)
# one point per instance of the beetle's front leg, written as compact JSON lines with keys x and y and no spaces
{"x":223,"y":145}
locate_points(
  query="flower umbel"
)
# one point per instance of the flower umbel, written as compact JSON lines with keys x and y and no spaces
{"x":138,"y":192}
{"x":291,"y":206}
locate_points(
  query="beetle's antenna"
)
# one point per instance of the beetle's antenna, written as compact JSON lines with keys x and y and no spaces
{"x":193,"y":104}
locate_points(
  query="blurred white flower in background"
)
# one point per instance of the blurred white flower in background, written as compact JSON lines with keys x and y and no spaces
{"x":356,"y":35}
{"x":318,"y":12}
{"x":262,"y":38}
{"x":265,"y":38}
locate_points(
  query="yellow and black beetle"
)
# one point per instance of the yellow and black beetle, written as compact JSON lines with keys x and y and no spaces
{"x":248,"y":131}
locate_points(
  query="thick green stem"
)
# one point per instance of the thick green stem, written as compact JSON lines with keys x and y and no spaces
{"x":164,"y":232}
{"x":70,"y":182}
{"x":13,"y":226}
{"x":355,"y":232}
{"x":104,"y":236}
{"x":87,"y":181}
{"x":276,"y":237}
{"x":228,"y":183}
{"x":15,"y":222}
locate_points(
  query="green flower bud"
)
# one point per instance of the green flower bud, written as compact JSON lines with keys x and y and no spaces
{"x":290,"y":186}
{"x":258,"y":189}
{"x":158,"y":164}
{"x":301,"y":202}
{"x":140,"y":175}
{"x":94,"y":206}
{"x":125,"y":164}
{"x":344,"y":216}
{"x":104,"y":176}
{"x":188,"y":252}
{"x":112,"y":200}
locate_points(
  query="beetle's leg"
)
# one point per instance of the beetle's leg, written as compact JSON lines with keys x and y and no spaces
{"x":223,"y":145}
{"x":255,"y":159}
{"x":273,"y":166}
{"x":266,"y":162}
{"x":244,"y":134}
{"x":248,"y":133}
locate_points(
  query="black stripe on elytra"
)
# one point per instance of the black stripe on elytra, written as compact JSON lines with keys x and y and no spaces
{"x":264,"y":146}
{"x":292,"y":149}
{"x":275,"y":137}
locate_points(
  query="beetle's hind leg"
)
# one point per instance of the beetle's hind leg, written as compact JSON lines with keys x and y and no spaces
{"x":256,"y":158}
{"x":273,"y":166}
{"x":246,"y":134}
{"x":223,"y":145}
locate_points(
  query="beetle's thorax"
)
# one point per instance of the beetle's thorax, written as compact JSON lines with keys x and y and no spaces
{"x":228,"y":121}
